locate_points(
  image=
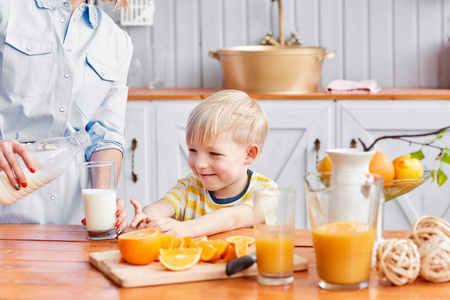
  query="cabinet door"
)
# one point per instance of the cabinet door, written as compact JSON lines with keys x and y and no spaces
{"x":171,"y":150}
{"x":137,"y":177}
{"x":369,"y":120}
{"x":289,"y":151}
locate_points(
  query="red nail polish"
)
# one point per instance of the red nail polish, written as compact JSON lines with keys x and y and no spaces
{"x":32,"y":169}
{"x":118,"y":223}
{"x":118,"y":212}
{"x":24,"y":184}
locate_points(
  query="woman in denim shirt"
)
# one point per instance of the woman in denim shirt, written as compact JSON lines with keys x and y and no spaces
{"x":63,"y":68}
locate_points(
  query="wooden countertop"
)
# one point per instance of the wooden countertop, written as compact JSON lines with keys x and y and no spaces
{"x":201,"y":93}
{"x":51,"y":262}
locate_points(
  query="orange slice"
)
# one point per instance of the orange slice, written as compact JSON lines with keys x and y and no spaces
{"x":250,"y":240}
{"x":209,"y":252}
{"x":179,"y":259}
{"x":167,"y":240}
{"x":140,"y":247}
{"x":199,"y":239}
{"x":183,"y":242}
{"x":231,"y":252}
{"x":220,"y":245}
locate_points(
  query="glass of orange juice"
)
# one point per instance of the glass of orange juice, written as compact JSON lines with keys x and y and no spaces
{"x":274,"y":235}
{"x":343,"y":210}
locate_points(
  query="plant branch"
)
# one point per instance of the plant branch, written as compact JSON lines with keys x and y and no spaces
{"x":404,"y":138}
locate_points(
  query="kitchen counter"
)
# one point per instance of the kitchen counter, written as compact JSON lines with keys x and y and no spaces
{"x":201,"y":93}
{"x":51,"y":262}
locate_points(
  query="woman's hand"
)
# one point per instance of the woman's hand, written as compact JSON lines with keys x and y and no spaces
{"x":10,"y":164}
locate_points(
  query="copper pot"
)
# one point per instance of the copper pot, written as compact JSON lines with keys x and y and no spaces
{"x":272,"y":69}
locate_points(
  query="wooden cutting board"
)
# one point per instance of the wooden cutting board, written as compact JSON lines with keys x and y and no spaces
{"x":126,"y":275}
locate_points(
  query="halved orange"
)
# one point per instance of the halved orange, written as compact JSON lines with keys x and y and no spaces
{"x":249,"y":240}
{"x":220,"y":245}
{"x":140,"y":247}
{"x":209,"y":252}
{"x":179,"y":259}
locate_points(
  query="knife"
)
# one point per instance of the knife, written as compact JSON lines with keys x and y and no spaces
{"x":239,"y":264}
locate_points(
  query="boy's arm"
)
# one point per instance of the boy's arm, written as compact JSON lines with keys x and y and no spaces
{"x":162,"y":208}
{"x":221,"y":220}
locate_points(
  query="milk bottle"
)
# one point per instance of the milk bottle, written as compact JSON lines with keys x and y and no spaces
{"x":52,"y":157}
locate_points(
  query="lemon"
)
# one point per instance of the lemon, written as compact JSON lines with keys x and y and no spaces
{"x":407,"y":167}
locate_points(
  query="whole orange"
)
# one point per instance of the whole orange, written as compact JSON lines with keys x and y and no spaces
{"x":382,"y":165}
{"x":140,"y":247}
{"x":407,"y":167}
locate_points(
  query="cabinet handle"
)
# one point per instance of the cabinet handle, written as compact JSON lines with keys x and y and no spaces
{"x":353,"y":143}
{"x":317,"y":148}
{"x":134,"y":176}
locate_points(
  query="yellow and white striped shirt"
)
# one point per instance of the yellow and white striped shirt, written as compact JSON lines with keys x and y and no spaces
{"x":191,"y":200}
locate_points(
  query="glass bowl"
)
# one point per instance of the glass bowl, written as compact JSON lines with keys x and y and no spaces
{"x":395,"y":188}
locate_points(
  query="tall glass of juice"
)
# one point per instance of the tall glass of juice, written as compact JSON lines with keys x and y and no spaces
{"x":343,"y":211}
{"x":274,"y":235}
{"x":99,"y":196}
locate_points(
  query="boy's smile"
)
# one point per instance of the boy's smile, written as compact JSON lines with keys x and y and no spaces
{"x":221,"y":165}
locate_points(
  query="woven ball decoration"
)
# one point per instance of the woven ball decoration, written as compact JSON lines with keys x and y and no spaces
{"x":425,"y":227}
{"x":398,"y":261}
{"x":435,"y":259}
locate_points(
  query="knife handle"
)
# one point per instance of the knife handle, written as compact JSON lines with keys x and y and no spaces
{"x":239,"y":264}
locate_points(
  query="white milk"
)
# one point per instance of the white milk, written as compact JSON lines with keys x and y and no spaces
{"x":100,"y":209}
{"x":9,"y":195}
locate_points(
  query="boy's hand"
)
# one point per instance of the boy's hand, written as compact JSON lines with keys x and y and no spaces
{"x":171,"y":226}
{"x":140,"y":219}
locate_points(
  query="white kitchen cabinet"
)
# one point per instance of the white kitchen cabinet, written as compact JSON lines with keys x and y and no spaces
{"x":369,"y":120}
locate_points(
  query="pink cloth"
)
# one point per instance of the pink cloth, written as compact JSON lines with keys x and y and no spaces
{"x":341,"y":86}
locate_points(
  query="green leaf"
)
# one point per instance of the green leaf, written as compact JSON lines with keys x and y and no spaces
{"x":433,"y":173}
{"x":440,"y":135}
{"x":445,"y":158}
{"x":441,"y":177}
{"x":418,"y":154}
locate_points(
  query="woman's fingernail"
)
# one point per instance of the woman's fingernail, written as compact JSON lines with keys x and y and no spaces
{"x":32,"y":169}
{"x":17,"y":186}
{"x":118,"y":212}
{"x":118,"y":223}
{"x":119,"y":231}
{"x":24,"y":184}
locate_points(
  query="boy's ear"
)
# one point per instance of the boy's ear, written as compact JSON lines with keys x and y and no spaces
{"x":252,"y":153}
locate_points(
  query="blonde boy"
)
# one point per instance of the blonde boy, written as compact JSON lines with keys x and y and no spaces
{"x":225,"y":133}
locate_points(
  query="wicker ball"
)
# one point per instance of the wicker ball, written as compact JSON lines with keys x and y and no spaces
{"x":398,"y":261}
{"x":426,"y":227}
{"x":435,"y":259}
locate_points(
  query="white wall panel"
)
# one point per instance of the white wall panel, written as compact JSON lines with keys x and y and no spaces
{"x":381,"y":40}
{"x":356,"y":39}
{"x":399,"y":43}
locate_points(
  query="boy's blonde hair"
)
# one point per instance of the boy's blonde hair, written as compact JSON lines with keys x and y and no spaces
{"x":228,"y":111}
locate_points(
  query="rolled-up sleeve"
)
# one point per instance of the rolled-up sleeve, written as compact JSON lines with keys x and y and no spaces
{"x":107,"y":125}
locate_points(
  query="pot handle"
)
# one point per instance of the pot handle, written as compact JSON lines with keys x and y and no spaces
{"x":213,"y":54}
{"x":330,"y":54}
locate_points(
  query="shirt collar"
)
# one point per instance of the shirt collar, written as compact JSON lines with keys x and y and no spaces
{"x":53,"y":4}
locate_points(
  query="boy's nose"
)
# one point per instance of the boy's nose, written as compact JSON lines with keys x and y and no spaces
{"x":201,"y":162}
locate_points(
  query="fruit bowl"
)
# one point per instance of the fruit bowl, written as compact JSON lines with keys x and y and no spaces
{"x":391,"y":189}
{"x":395,"y":188}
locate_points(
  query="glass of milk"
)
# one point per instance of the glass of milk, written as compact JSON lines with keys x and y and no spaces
{"x":99,"y":195}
